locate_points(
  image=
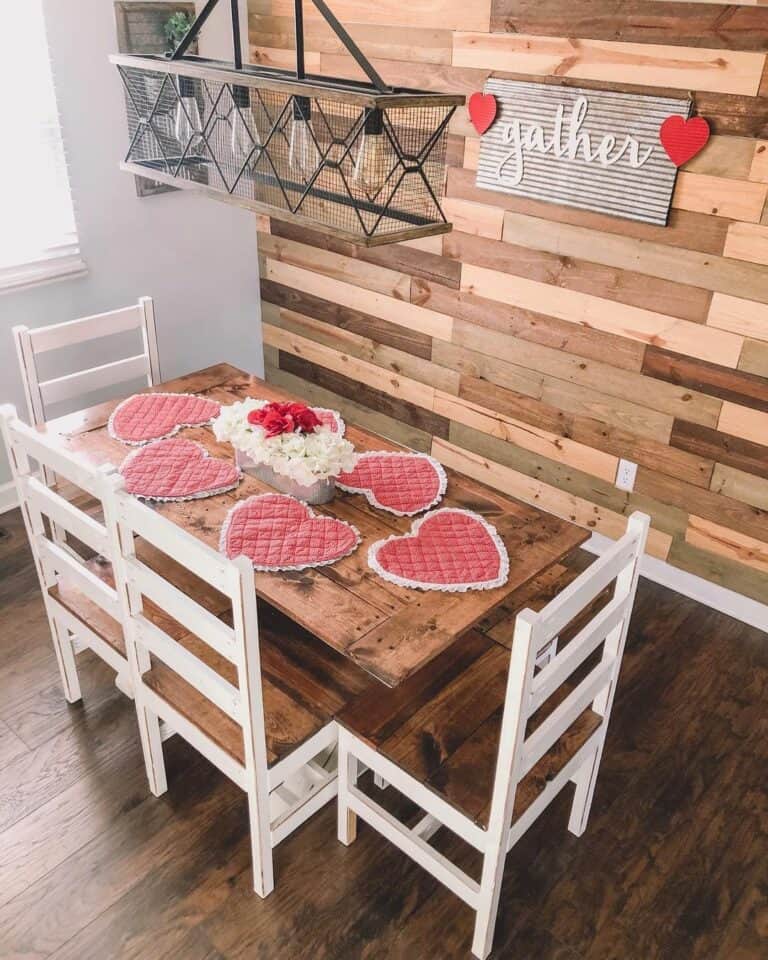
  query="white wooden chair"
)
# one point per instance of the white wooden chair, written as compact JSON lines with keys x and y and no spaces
{"x":78,"y":586}
{"x":81,"y":601}
{"x":549,"y":728}
{"x":209,"y":684}
{"x":40,"y":394}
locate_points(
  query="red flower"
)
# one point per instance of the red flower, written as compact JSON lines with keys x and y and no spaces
{"x":305,"y":417}
{"x":277,"y":418}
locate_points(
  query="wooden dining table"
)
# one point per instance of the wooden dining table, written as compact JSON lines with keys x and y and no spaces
{"x":388,"y":630}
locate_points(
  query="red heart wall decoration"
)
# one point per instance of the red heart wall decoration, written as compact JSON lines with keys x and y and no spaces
{"x":683,"y":139}
{"x":482,"y":111}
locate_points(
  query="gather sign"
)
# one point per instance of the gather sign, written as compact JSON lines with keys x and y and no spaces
{"x":592,"y":149}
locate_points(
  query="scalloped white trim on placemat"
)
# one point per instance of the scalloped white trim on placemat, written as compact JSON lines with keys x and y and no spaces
{"x":498,"y":581}
{"x":370,"y":496}
{"x":312,"y":515}
{"x":165,"y":436}
{"x":341,"y":427}
{"x":192,"y":496}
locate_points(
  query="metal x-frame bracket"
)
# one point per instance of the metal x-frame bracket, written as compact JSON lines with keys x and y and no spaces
{"x":328,"y":16}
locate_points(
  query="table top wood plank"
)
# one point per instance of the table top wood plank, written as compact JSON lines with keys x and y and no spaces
{"x":390,"y":631}
{"x":325,"y":606}
{"x":393,"y":650}
{"x":307,"y":596}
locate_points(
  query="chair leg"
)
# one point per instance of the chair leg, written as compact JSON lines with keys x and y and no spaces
{"x":347,"y":774}
{"x":152,"y":747}
{"x":65,"y":657}
{"x":261,"y":850}
{"x":488,"y":905}
{"x":584,"y":779}
{"x":148,"y":721}
{"x":123,"y":684}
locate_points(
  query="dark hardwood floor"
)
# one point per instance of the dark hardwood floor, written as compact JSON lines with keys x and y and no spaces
{"x":674,"y":863}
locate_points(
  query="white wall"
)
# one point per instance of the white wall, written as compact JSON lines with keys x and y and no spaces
{"x":216,"y":37}
{"x":195,"y":256}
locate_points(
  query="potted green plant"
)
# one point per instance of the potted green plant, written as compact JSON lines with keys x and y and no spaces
{"x":175,"y":28}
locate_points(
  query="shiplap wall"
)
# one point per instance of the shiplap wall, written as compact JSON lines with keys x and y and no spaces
{"x":535,"y":344}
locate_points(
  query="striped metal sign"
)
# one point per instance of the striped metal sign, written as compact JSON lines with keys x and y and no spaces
{"x":592,"y":149}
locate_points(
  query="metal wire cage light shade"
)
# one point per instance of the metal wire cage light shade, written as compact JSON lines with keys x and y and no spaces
{"x":348,"y":160}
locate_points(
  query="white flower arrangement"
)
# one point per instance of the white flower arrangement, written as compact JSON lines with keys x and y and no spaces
{"x":304,"y":457}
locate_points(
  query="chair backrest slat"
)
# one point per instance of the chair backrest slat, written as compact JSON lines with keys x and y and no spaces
{"x":589,"y":638}
{"x":88,"y":381}
{"x":529,"y":692}
{"x":68,"y":517}
{"x":178,"y":544}
{"x":562,"y":718}
{"x":585,"y":588}
{"x":30,"y":344}
{"x":35,"y":445}
{"x":182,"y":608}
{"x":57,"y":335}
{"x":190,"y":668}
{"x":66,"y":566}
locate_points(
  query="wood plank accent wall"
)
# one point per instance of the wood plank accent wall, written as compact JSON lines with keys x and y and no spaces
{"x":535,"y":345}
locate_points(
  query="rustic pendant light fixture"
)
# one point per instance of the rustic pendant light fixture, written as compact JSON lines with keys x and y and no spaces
{"x":362,"y":161}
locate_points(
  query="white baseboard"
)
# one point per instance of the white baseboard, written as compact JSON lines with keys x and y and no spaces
{"x":8,"y":498}
{"x":726,"y":601}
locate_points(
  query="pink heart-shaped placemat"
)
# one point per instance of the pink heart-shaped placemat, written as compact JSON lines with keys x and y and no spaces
{"x":277,"y":532}
{"x":177,"y":469}
{"x":450,"y":549}
{"x":402,"y":483}
{"x":154,"y":416}
{"x":331,"y":419}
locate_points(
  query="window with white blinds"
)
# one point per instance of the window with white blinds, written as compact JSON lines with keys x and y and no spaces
{"x":38,"y":237}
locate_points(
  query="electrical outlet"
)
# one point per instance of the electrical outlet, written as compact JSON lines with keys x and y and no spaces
{"x":625,"y":475}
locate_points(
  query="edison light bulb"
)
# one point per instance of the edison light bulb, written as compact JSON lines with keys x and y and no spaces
{"x":188,"y":122}
{"x":242,"y":141}
{"x":303,"y":155}
{"x":371,"y":165}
